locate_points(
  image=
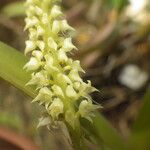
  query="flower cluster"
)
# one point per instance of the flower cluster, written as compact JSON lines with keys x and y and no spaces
{"x":55,"y":75}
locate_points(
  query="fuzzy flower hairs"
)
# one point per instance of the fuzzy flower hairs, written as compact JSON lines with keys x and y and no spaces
{"x":56,"y":76}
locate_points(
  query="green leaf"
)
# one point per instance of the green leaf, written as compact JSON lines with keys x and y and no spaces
{"x":140,"y":136}
{"x":11,"y":68}
{"x":104,"y":133}
{"x":143,"y":121}
{"x":11,"y":64}
{"x":119,"y":5}
{"x":14,"y":9}
{"x":140,"y":141}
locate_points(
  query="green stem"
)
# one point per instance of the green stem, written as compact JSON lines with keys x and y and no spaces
{"x":103,"y":133}
{"x":77,"y":138}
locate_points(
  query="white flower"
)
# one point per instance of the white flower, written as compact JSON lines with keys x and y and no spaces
{"x":62,"y":57}
{"x":76,"y":65}
{"x":45,"y":19}
{"x":44,"y":121}
{"x":49,"y":59}
{"x":38,"y":55}
{"x":44,"y":96}
{"x":57,"y":91}
{"x":86,"y":109}
{"x":41,"y":45}
{"x":74,"y":75}
{"x":67,"y":45}
{"x":60,"y":26}
{"x":56,"y":26}
{"x":38,"y":10}
{"x":30,"y":46}
{"x":29,"y":2}
{"x":65,"y":26}
{"x":70,"y":92}
{"x":63,"y":79}
{"x":32,"y":34}
{"x":52,"y":44}
{"x":30,"y":22}
{"x":40,"y":79}
{"x":77,"y":85}
{"x":56,"y":11}
{"x":49,"y":65}
{"x":30,"y":11}
{"x":56,"y":108}
{"x":33,"y":64}
{"x":40,"y":30}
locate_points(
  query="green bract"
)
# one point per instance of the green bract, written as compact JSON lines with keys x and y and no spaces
{"x":61,"y":90}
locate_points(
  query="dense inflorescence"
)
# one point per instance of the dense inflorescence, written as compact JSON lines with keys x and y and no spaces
{"x":56,"y":76}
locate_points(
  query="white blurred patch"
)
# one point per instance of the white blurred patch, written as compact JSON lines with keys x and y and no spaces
{"x":136,"y":10}
{"x":136,"y":6}
{"x":133,"y":77}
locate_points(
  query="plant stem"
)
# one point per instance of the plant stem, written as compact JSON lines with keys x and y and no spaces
{"x":104,"y":133}
{"x":77,"y":139}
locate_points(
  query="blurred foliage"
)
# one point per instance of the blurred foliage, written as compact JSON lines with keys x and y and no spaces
{"x":11,"y":120}
{"x":119,"y":5}
{"x":141,"y":129}
{"x":14,"y":9}
{"x":143,"y":120}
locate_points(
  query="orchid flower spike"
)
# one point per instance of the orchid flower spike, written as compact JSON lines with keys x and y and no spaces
{"x":65,"y":96}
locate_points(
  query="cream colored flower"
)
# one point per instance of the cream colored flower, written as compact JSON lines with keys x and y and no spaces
{"x":56,"y":108}
{"x":86,"y":109}
{"x":55,"y":75}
